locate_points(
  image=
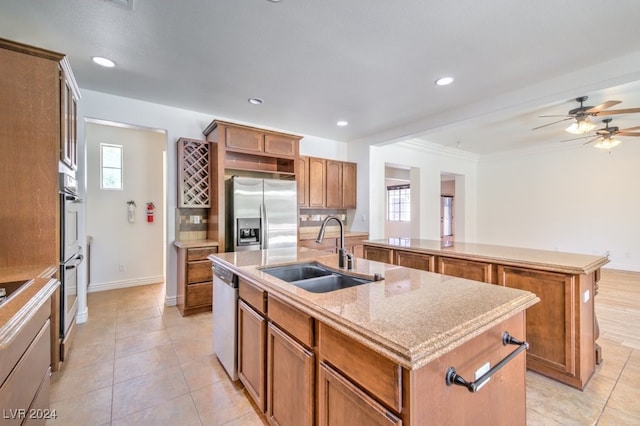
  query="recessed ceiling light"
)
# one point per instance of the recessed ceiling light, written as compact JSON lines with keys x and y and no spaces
{"x":103,"y":62}
{"x":443,"y":81}
{"x":342,"y":123}
{"x":255,"y":101}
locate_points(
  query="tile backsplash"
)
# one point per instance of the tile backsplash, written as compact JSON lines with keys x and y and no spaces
{"x":191,"y":224}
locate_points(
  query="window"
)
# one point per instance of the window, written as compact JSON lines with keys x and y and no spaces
{"x":399,"y":203}
{"x":110,"y":166}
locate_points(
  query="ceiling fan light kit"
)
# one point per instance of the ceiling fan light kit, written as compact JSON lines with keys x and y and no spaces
{"x":581,"y":127}
{"x":607,"y":143}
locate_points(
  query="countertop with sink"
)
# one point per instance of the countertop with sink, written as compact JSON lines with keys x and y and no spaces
{"x":411,"y":316}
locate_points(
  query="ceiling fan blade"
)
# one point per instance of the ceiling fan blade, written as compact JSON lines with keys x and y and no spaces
{"x":600,"y":107}
{"x":549,"y":124}
{"x":616,"y":111}
{"x":575,"y":139}
{"x":628,"y":133}
{"x":630,"y":128}
{"x":588,"y":142}
{"x":556,"y":115}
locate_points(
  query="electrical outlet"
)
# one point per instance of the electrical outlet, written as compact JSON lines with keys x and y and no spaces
{"x":122,"y":267}
{"x":195,"y":219}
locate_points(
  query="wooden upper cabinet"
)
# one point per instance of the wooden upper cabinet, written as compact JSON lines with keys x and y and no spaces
{"x":244,"y":139}
{"x":68,"y":121}
{"x":334,"y":184}
{"x":317,"y":182}
{"x":349,"y":185}
{"x":302,"y":179}
{"x":258,"y":141}
{"x":329,"y":184}
{"x":280,"y":145}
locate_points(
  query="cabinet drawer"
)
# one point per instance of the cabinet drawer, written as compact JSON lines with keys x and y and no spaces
{"x":280,"y":145}
{"x":200,"y":253}
{"x":199,"y":295}
{"x":21,"y":342}
{"x":40,"y":403}
{"x":199,"y":272}
{"x":375,"y":373}
{"x":20,"y":388}
{"x":295,"y":322}
{"x":251,"y":294}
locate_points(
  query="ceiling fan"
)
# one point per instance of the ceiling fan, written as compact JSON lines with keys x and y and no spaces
{"x":582,"y":113}
{"x":605,"y":136}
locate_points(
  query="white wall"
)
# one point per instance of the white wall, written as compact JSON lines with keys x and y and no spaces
{"x":427,"y":164}
{"x":124,"y":253}
{"x":577,"y":199}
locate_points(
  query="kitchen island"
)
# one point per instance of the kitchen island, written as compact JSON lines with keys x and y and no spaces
{"x":377,"y":353}
{"x":562,"y":329}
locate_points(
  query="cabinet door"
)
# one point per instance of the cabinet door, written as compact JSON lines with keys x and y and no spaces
{"x":290,"y":380}
{"x":244,"y":139}
{"x":378,"y":254}
{"x":349,"y":185}
{"x":340,"y":402}
{"x":302,"y":179}
{"x":552,"y":324}
{"x":469,"y":269}
{"x":317,"y":182}
{"x":65,"y":140}
{"x":252,"y":335}
{"x":334,"y":184}
{"x":280,"y":145}
{"x":426,"y":262}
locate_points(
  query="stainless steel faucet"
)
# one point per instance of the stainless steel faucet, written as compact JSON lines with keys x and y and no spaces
{"x":342,"y":252}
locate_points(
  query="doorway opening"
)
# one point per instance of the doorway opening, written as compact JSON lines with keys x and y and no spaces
{"x":128,"y":246}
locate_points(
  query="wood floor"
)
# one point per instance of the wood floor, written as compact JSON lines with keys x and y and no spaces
{"x":139,"y":362}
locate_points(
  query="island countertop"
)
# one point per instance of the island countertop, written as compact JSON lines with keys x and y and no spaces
{"x":411,"y":316}
{"x":546,"y":260}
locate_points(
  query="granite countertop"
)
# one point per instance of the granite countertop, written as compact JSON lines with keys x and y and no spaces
{"x":514,"y":256}
{"x":18,"y":308}
{"x":411,"y":316}
{"x":195,"y":243}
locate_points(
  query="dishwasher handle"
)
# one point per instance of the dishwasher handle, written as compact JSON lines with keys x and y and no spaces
{"x":225,"y":275}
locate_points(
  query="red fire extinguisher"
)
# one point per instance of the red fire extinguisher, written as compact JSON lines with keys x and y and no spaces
{"x":151,"y":209}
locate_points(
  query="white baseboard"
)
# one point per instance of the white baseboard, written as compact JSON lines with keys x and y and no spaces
{"x":622,"y":267}
{"x":171,"y":301}
{"x":113,"y":285}
{"x":82,"y":316}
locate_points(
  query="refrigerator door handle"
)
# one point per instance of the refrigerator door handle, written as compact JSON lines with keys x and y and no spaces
{"x":264,"y":226}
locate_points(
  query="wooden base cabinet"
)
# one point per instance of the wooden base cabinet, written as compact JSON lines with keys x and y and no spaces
{"x":561,"y":327}
{"x":195,"y":280}
{"x":252,"y":335}
{"x":357,"y":385}
{"x":290,"y":380}
{"x":340,"y":402}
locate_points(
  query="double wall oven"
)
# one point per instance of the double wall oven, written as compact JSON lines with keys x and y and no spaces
{"x":70,"y":253}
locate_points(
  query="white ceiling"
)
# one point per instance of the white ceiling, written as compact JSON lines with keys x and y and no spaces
{"x":371,"y":62}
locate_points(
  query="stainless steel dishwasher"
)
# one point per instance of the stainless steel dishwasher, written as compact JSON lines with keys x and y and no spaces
{"x":225,"y":314}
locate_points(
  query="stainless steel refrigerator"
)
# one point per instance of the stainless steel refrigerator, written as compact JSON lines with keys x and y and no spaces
{"x":261,"y":213}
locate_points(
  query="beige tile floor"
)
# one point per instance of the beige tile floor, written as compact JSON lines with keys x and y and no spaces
{"x":137,"y":362}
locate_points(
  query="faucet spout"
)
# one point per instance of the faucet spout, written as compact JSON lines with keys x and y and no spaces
{"x":342,"y":253}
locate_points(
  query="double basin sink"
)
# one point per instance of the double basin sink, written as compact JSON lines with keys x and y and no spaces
{"x":316,"y":278}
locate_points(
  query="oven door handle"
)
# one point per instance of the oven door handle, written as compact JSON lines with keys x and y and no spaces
{"x":78,"y":261}
{"x":73,"y":198}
